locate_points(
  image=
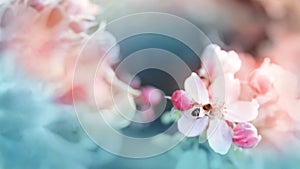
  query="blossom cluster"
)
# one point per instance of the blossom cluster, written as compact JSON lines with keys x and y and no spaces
{"x":51,"y":43}
{"x":53,"y":55}
{"x":46,"y":38}
{"x":233,"y":98}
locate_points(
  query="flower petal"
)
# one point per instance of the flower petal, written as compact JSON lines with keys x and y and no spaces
{"x":210,"y":61}
{"x":231,"y":62}
{"x":232,"y":88}
{"x":226,"y":88}
{"x":192,"y":127}
{"x":218,"y":90}
{"x":242,"y":111}
{"x":219,"y":136}
{"x":292,"y":111}
{"x":194,"y":86}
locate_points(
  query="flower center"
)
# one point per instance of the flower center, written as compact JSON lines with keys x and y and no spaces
{"x":218,"y":111}
{"x":200,"y":111}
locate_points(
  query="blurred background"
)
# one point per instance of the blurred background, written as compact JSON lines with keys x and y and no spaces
{"x":254,"y":28}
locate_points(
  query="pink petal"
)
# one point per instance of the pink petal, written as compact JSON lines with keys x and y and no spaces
{"x":293,"y":110}
{"x":286,"y":83}
{"x":194,"y":86}
{"x":219,"y":136}
{"x":192,"y":127}
{"x":55,"y":17}
{"x":242,"y":111}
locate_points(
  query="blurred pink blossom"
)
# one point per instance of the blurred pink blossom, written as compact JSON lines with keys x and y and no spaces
{"x":275,"y":88}
{"x":150,"y":95}
{"x":285,"y":50}
{"x":46,"y":39}
{"x":261,"y":82}
{"x":147,"y":100}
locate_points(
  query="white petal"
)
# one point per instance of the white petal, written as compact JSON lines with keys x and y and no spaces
{"x":226,"y":89}
{"x":192,"y":127}
{"x":210,"y":61}
{"x":232,"y":88}
{"x":231,"y":62}
{"x":218,"y":89}
{"x":194,"y":86}
{"x":242,"y":111}
{"x":219,"y":136}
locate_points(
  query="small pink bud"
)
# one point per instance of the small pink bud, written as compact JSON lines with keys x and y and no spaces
{"x":181,"y":100}
{"x":245,"y":135}
{"x":150,"y":95}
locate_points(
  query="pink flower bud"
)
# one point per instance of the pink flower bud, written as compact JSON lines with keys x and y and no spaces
{"x":245,"y":135}
{"x":150,"y":95}
{"x":181,"y":100}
